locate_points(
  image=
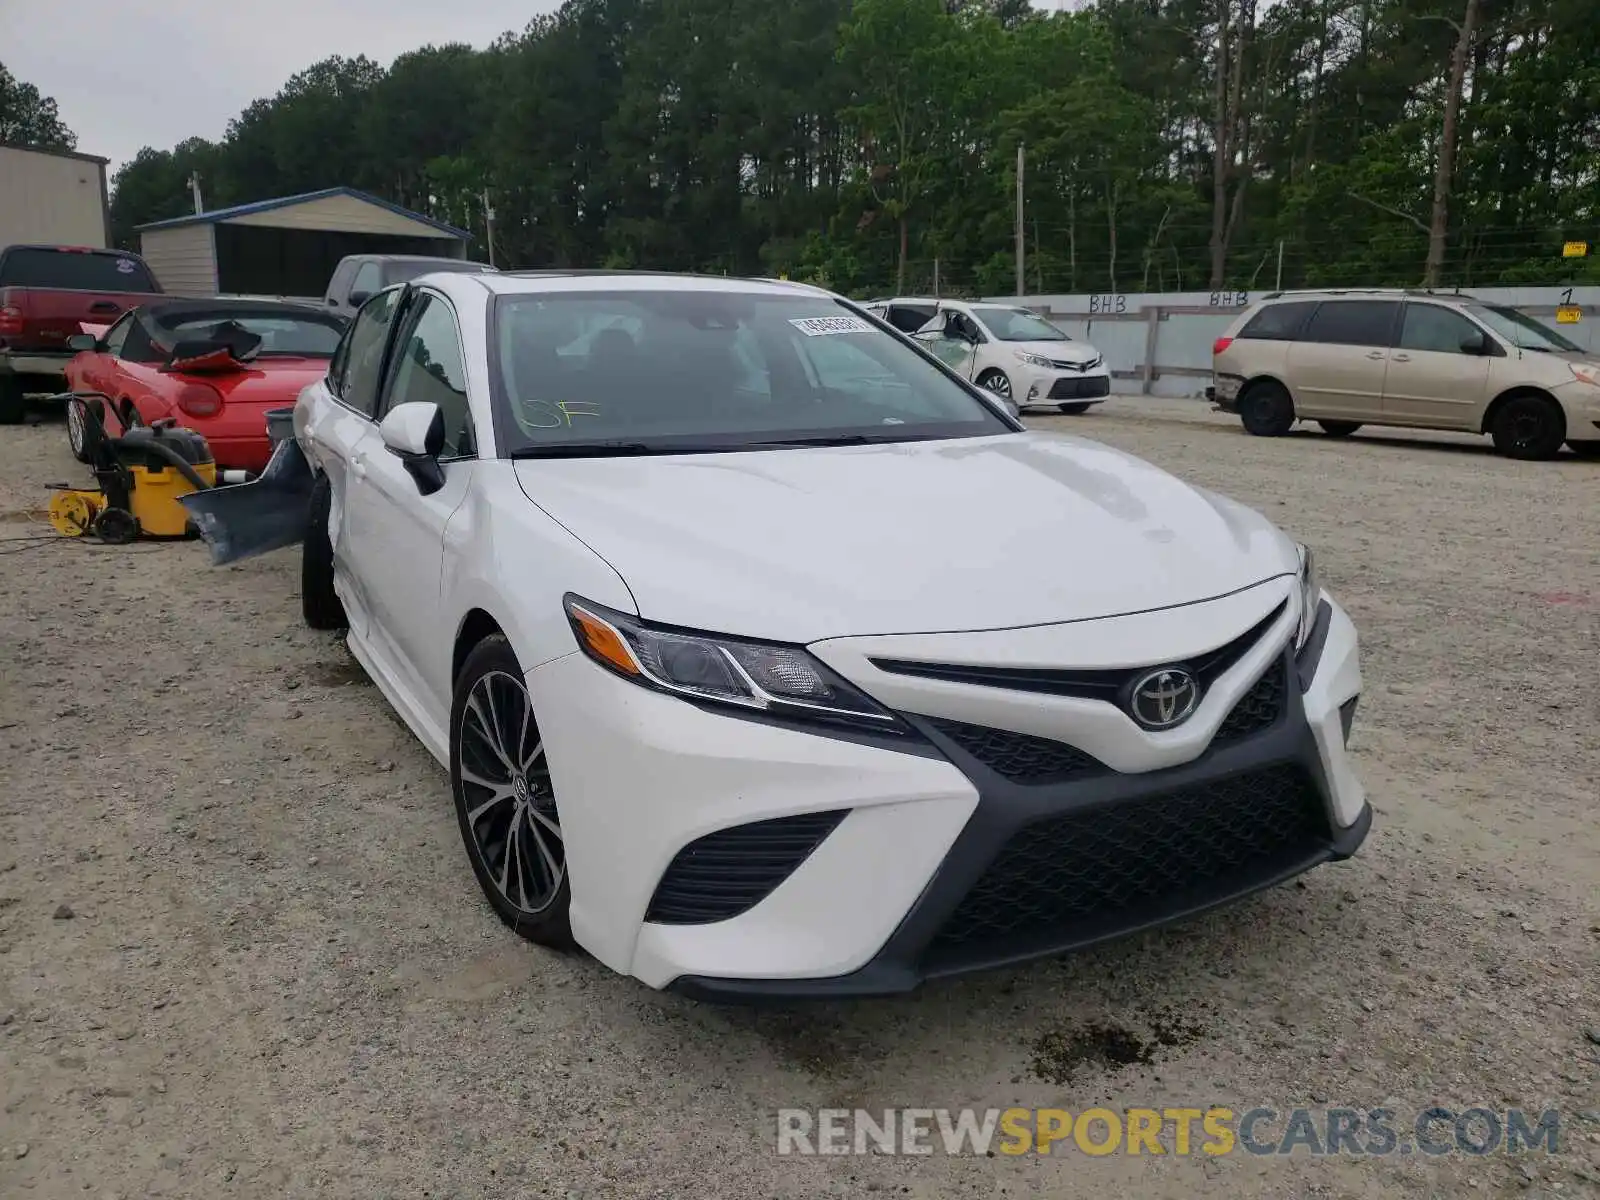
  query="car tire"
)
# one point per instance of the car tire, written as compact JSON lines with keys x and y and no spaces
{"x":78,"y":418}
{"x":1529,"y":426}
{"x":1339,"y":429}
{"x":1267,"y":410}
{"x":1074,"y":410}
{"x":319,"y":602}
{"x":505,"y":802}
{"x":997,"y":382}
{"x":12,"y":406}
{"x":1585,"y":449}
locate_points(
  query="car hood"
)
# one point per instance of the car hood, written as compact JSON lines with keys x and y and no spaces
{"x":915,"y":537}
{"x":1080,"y":352}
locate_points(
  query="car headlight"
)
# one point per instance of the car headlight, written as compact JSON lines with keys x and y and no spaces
{"x":1310,"y":596}
{"x":1586,"y":373}
{"x":1033,"y":360}
{"x":761,"y":677}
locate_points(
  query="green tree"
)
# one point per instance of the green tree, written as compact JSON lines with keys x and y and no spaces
{"x":28,"y":118}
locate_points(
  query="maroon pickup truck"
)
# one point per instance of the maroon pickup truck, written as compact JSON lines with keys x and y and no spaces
{"x":46,"y":292}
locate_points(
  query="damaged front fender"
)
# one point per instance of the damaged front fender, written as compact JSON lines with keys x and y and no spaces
{"x":253,"y":518}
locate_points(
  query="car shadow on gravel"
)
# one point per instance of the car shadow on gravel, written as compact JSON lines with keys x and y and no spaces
{"x":1137,"y":1002}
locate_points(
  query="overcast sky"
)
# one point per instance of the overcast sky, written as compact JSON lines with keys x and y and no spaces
{"x":154,"y":72}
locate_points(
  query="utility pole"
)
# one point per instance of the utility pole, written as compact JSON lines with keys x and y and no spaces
{"x":1444,"y":172}
{"x":488,"y":224}
{"x":194,"y":190}
{"x":1022,"y":154}
{"x":1279,"y":288}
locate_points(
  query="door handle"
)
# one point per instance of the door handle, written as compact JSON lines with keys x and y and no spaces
{"x":1375,"y":354}
{"x":358,"y":465}
{"x":1401,"y":358}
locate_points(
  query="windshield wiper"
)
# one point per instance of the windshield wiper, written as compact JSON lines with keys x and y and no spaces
{"x":609,"y":450}
{"x":843,"y":439}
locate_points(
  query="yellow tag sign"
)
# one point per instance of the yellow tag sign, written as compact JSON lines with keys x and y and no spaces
{"x":1569,"y":314}
{"x":1575,"y":250}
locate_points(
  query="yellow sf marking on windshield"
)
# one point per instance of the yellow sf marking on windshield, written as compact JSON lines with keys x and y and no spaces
{"x":562,"y":412}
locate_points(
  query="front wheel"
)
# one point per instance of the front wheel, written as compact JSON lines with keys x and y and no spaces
{"x":1529,"y":427}
{"x":319,"y":602}
{"x":1339,"y":428}
{"x":1267,"y":410}
{"x":996,"y":382}
{"x":12,"y":406}
{"x":1074,"y":410}
{"x":505,"y":802}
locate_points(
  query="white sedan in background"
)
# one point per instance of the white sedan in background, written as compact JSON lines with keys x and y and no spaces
{"x":740,"y":686}
{"x":1012,"y":351}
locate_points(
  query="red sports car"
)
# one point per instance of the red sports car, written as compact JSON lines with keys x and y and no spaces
{"x":215,"y":366}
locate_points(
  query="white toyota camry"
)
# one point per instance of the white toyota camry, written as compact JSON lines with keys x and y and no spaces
{"x":695,"y":587}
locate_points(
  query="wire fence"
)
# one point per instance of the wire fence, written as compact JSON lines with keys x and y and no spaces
{"x":1383,"y":258}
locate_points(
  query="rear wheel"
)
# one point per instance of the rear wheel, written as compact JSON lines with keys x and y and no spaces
{"x":1267,"y":410}
{"x":319,"y":603}
{"x":1339,"y":428}
{"x":1073,"y":410}
{"x":505,"y":802}
{"x":1530,"y":427}
{"x":12,"y":406}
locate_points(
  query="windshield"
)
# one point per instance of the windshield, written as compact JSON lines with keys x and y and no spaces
{"x":683,"y":371}
{"x":310,"y":336}
{"x":1520,"y":329}
{"x":1018,"y":325}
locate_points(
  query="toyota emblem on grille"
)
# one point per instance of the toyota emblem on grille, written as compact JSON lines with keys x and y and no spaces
{"x":1164,"y":698}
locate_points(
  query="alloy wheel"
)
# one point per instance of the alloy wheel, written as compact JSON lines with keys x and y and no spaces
{"x":510,"y":808}
{"x":77,"y":429}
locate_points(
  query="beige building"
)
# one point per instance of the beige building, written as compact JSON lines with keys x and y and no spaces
{"x":287,"y":247}
{"x":52,"y":197}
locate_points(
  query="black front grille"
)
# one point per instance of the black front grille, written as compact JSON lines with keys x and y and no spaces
{"x":1080,"y":389}
{"x":729,"y":872}
{"x":1258,"y":709}
{"x":1020,"y":757}
{"x":1126,"y":864}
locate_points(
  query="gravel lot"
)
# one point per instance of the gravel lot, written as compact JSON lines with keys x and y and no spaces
{"x":241,"y":953}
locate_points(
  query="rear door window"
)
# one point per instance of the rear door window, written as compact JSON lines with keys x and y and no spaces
{"x":908,"y":318}
{"x":1279,"y":322}
{"x":74,"y":271}
{"x":1353,"y":323}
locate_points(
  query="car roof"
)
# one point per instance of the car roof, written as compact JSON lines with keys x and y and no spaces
{"x":1381,"y":293}
{"x":511,"y":283}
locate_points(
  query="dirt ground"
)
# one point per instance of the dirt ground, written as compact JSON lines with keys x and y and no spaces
{"x":241,"y":953}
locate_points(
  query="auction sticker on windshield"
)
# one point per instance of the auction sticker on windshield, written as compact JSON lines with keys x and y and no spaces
{"x":824,"y":326}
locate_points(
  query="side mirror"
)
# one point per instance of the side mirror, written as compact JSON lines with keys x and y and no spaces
{"x":79,"y":342}
{"x":1475,"y":343}
{"x":357,"y":299}
{"x":415,"y":433}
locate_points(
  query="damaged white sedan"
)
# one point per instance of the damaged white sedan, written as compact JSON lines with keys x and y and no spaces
{"x":695,"y":587}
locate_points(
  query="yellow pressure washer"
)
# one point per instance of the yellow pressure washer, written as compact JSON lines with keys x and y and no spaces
{"x":141,"y":476}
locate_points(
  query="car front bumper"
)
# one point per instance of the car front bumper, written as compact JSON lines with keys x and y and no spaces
{"x":1038,"y":386}
{"x":935,"y":862}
